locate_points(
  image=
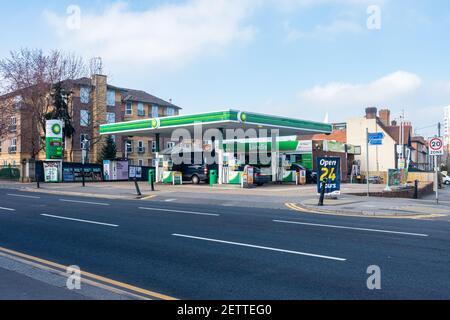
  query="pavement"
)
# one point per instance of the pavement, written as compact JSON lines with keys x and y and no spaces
{"x":160,"y":249}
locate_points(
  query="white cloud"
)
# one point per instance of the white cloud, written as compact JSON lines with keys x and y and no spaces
{"x":168,"y":34}
{"x":290,"y":5}
{"x":329,"y":31}
{"x":379,"y":92}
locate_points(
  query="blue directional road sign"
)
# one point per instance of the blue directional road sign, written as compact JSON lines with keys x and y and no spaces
{"x":376,"y":139}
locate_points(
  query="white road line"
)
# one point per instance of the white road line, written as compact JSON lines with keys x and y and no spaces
{"x":22,"y":196}
{"x":170,"y":200}
{"x":85,"y":202}
{"x":7,"y":209}
{"x":80,"y":220}
{"x":260,"y":247}
{"x":351,"y":228}
{"x":181,"y":211}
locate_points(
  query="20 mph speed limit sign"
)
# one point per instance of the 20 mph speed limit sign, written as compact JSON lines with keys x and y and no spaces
{"x":436,"y":146}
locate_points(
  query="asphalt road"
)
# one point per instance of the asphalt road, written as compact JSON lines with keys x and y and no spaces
{"x":201,"y":252}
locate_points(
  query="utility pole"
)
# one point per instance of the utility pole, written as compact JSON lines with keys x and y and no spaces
{"x":436,"y":164}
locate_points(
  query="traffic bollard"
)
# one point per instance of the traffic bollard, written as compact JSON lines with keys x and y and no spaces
{"x":138,"y":191}
{"x":416,"y":189}
{"x":322,"y":192}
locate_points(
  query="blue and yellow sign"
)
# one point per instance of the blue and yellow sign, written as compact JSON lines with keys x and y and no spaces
{"x":329,"y":172}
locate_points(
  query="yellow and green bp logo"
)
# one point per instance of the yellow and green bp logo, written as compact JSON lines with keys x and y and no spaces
{"x":56,"y":129}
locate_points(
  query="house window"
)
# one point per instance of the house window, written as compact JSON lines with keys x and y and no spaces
{"x":13,"y":124}
{"x":111,"y":98}
{"x":129,"y":146}
{"x":141,"y":111}
{"x":153,"y":146}
{"x":84,"y":94}
{"x":141,"y":148}
{"x":84,"y":118}
{"x":84,"y":138}
{"x":155,"y":113}
{"x":13,"y":146}
{"x":141,"y":162}
{"x":113,"y":138}
{"x":111,"y":117}
{"x":129,"y":109}
{"x":170,"y":145}
{"x":170,"y":112}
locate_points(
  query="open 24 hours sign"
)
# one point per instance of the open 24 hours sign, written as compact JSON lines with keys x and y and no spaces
{"x":329,"y":172}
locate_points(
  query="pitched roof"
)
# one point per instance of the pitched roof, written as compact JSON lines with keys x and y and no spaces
{"x":128,"y":94}
{"x":336,"y":135}
{"x":142,"y":96}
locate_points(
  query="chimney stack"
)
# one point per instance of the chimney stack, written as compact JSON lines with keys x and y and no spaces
{"x":371,"y":113}
{"x":385,"y":116}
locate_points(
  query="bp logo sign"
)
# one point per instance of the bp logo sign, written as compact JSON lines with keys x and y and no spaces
{"x":156,"y":123}
{"x":242,"y":117}
{"x":56,"y":129}
{"x":54,"y":140}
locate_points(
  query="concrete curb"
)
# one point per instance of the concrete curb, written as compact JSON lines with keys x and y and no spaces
{"x":366,"y":213}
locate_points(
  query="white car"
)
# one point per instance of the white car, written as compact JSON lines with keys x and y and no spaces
{"x":446,"y":179}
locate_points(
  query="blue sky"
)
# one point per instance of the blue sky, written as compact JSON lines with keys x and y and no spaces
{"x":301,"y":58}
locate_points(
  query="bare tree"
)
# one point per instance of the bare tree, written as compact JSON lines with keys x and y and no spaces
{"x":31,"y":75}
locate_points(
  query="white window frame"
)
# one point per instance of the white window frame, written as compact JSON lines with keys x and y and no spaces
{"x":141,"y":146}
{"x":13,"y":123}
{"x":129,"y":146}
{"x":13,"y":145}
{"x":129,"y":111}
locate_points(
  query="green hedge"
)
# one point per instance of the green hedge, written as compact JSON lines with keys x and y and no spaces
{"x":9,"y":173}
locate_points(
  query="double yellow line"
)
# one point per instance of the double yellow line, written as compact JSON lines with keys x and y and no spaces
{"x":86,"y":277}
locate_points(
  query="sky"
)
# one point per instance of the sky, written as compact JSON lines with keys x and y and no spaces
{"x":298,"y":58}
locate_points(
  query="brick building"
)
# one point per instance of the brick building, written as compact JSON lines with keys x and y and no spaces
{"x":91,"y":102}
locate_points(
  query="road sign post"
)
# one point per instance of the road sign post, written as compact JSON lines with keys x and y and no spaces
{"x":436,"y":149}
{"x":372,"y":139}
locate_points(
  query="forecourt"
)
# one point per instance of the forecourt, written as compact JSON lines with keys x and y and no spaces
{"x":222,"y":120}
{"x":198,"y":251}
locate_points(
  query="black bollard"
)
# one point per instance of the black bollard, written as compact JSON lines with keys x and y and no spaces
{"x":322,"y":192}
{"x":416,"y":189}
{"x":82,"y":177}
{"x":37,"y":182}
{"x":152,"y":182}
{"x":138,"y":191}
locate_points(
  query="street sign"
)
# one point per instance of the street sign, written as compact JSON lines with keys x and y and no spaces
{"x":376,"y":139}
{"x":436,"y":147}
{"x":329,"y":170}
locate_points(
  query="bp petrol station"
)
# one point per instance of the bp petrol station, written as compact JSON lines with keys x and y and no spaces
{"x":281,"y":155}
